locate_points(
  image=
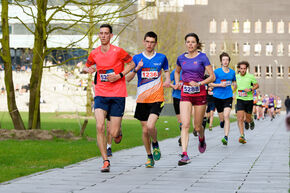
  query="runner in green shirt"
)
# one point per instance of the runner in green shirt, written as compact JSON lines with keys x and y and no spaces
{"x":246,"y":83}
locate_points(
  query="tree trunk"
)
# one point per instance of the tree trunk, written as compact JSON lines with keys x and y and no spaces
{"x":90,"y":38}
{"x":6,"y":57}
{"x":37,"y":66}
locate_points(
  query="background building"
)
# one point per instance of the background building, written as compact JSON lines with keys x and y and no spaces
{"x":257,"y":31}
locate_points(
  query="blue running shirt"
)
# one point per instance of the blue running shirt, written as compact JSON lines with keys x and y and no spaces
{"x":150,"y":83}
{"x":224,"y":92}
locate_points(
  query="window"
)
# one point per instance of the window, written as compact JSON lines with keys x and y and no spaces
{"x":269,"y":71}
{"x":212,"y":48}
{"x":235,"y":48}
{"x":280,"y":71}
{"x":269,"y":27}
{"x":201,"y":2}
{"x":257,"y":72}
{"x":247,"y":26}
{"x":246,"y":49}
{"x":258,"y":26}
{"x":236,"y":26}
{"x":224,"y":26}
{"x":269,"y":49}
{"x":280,"y":49}
{"x":258,"y":49}
{"x":224,"y":47}
{"x":280,"y":27}
{"x":212,"y":26}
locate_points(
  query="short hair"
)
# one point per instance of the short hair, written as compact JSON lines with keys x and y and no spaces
{"x":195,"y":36}
{"x":108,"y":26}
{"x":224,"y":54}
{"x":151,"y":34}
{"x":243,"y":62}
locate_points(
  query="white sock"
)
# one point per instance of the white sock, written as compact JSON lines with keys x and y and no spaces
{"x":109,"y":146}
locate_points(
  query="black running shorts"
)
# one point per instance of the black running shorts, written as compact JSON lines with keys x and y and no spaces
{"x":143,"y":110}
{"x":246,"y":106}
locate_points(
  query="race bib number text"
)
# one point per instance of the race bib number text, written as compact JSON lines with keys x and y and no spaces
{"x":149,"y":73}
{"x":190,"y":89}
{"x":242,"y":93}
{"x":104,"y":74}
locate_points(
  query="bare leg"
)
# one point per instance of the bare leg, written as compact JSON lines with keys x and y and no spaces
{"x":227,"y":112}
{"x":100,"y":115}
{"x":185,"y":111}
{"x":241,"y":118}
{"x":146,"y":137}
{"x":198,"y":118}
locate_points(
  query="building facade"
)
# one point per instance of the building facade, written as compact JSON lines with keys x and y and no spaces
{"x":256,"y":31}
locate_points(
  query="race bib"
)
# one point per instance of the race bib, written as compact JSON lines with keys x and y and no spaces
{"x":149,"y":73}
{"x":272,"y":104}
{"x":188,"y":89}
{"x":228,"y":82}
{"x":242,"y":93}
{"x":104,"y":74}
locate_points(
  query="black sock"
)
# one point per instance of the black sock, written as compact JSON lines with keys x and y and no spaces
{"x":150,"y":156}
{"x":155,"y":145}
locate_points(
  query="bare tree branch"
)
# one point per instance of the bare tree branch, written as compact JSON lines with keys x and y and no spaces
{"x":29,"y":7}
{"x":23,"y":24}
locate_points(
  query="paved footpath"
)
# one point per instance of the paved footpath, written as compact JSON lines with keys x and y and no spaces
{"x":261,"y":165}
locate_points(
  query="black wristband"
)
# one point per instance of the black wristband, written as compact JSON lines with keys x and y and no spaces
{"x":135,"y":70}
{"x":121,"y":74}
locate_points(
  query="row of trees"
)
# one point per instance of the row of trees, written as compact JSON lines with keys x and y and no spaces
{"x":88,"y":15}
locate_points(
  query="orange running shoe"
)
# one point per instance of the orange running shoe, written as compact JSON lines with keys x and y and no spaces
{"x":106,"y":166}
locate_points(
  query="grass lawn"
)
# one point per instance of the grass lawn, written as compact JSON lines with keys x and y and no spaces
{"x":20,"y":158}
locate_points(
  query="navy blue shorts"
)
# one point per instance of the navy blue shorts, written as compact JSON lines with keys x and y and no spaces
{"x":210,"y":107}
{"x":115,"y":106}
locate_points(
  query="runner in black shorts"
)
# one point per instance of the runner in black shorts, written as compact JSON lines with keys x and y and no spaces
{"x":150,"y":93}
{"x":245,"y":98}
{"x":223,"y":93}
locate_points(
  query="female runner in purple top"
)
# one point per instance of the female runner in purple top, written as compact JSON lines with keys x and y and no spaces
{"x":193,"y":64}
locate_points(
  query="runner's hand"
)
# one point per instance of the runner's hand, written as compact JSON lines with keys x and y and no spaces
{"x":223,"y":84}
{"x":192,"y":83}
{"x":140,"y":65}
{"x":113,"y":77}
{"x":247,"y":90}
{"x":89,"y":69}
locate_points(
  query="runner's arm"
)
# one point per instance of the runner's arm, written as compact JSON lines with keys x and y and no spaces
{"x":177,"y":77}
{"x":132,"y":74}
{"x":90,"y":69}
{"x":217,"y":85}
{"x":211,"y":77}
{"x":114,"y":77}
{"x":255,"y":86}
{"x":167,"y":79}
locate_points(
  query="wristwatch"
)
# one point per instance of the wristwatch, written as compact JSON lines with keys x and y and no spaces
{"x":135,"y":70}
